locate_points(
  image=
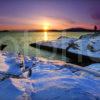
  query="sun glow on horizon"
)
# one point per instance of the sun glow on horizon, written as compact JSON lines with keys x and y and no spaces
{"x":46,"y":25}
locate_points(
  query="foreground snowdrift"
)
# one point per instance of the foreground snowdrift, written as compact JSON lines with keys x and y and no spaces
{"x":50,"y":80}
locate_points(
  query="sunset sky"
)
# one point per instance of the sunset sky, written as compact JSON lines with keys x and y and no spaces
{"x":48,"y":14}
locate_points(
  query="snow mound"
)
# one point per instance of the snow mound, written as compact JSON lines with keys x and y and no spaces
{"x":88,"y":45}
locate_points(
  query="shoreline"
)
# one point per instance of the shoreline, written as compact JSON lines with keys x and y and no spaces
{"x":76,"y":57}
{"x":86,"y":60}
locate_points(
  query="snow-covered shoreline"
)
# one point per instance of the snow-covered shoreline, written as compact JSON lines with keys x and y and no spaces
{"x":61,"y":43}
{"x":87,"y":46}
{"x":52,"y":80}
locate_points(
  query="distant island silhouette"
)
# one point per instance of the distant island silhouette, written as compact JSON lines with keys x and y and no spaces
{"x":56,"y":30}
{"x":82,"y":30}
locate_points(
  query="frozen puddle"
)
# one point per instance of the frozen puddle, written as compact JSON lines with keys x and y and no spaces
{"x":48,"y":81}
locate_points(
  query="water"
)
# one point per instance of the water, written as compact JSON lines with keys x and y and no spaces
{"x":19,"y":42}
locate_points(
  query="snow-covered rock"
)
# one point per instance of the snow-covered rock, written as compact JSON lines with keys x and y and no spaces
{"x":88,"y":45}
{"x":94,"y":44}
{"x":61,"y":42}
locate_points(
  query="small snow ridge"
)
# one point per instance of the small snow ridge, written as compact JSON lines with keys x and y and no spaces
{"x":3,"y":66}
{"x":95,"y":67}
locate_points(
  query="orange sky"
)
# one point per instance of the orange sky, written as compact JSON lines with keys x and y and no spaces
{"x":40,"y":23}
{"x":49,"y":14}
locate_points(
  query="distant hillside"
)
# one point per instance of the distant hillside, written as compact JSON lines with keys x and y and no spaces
{"x":79,"y":30}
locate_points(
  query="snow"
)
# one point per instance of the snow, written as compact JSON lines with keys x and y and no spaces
{"x":95,"y":66}
{"x":13,"y":65}
{"x":3,"y":66}
{"x":49,"y":81}
{"x":95,"y":43}
{"x":61,"y":42}
{"x":87,"y":45}
{"x":8,"y":91}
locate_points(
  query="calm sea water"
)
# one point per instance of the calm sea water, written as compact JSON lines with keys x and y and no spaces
{"x":19,"y":42}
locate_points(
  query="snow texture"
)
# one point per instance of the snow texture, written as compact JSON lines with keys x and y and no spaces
{"x":47,"y":82}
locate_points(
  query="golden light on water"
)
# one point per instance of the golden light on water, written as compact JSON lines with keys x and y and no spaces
{"x":45,"y":35}
{"x":46,"y":27}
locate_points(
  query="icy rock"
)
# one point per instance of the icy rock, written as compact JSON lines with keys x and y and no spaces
{"x":88,"y":45}
{"x":62,"y":42}
{"x":94,"y":44}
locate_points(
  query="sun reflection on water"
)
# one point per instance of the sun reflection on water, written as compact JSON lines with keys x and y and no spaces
{"x":45,"y":36}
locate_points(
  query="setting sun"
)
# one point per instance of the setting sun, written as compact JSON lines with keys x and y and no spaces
{"x":46,"y":25}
